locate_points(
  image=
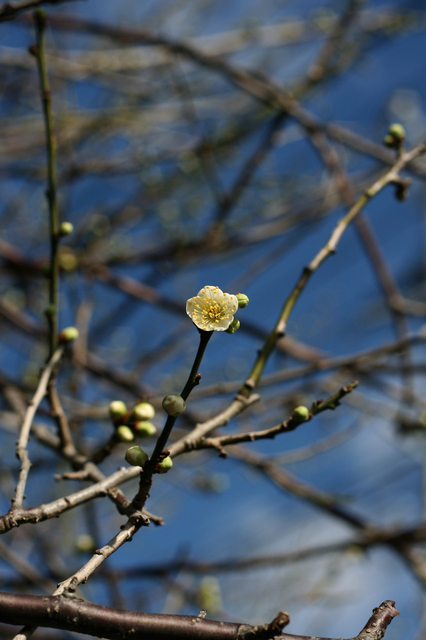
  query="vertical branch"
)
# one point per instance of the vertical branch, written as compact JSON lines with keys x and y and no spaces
{"x":40,"y":53}
{"x":21,"y":446}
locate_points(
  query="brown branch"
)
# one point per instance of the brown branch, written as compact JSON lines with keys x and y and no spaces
{"x":77,"y":615}
{"x":287,"y":425}
{"x":11,"y":9}
{"x":106,"y":487}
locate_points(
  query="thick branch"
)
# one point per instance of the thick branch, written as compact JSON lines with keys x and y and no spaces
{"x":114,"y":624}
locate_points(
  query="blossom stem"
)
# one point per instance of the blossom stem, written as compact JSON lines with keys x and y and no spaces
{"x":193,"y":381}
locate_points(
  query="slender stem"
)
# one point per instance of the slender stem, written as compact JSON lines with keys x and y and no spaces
{"x":40,"y":52}
{"x":193,"y":381}
{"x":194,"y":378}
{"x":21,"y":445}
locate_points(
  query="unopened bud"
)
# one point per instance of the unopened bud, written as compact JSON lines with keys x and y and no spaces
{"x":301,"y":414}
{"x":174,"y":405}
{"x":68,"y":334}
{"x":143,"y":411}
{"x":136,"y":456}
{"x":85,"y":543}
{"x":164,"y":465}
{"x":395,"y":136}
{"x":242,"y":300}
{"x":123,"y":433}
{"x":66,"y":228}
{"x":144,"y":429}
{"x":117,"y":409}
{"x":234,"y":326}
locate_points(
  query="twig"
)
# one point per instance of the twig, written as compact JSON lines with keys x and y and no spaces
{"x":11,"y":9}
{"x":193,"y":380}
{"x":21,"y":447}
{"x":106,"y":487}
{"x":67,"y":444}
{"x":134,"y":523}
{"x":328,"y":249}
{"x":51,"y":145}
{"x":287,"y":425}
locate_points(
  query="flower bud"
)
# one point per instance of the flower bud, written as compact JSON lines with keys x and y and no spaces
{"x":242,"y":300}
{"x":301,"y":414}
{"x":397,"y":132}
{"x":174,"y":405}
{"x":117,"y":409}
{"x":136,"y":456}
{"x":123,"y":433}
{"x":234,"y":326}
{"x":143,"y":411}
{"x":164,"y":465}
{"x":65,"y":229}
{"x":144,"y":429}
{"x":85,"y":543}
{"x":68,"y":334}
{"x":395,"y":136}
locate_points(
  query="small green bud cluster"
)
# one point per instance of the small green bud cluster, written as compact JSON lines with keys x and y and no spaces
{"x":174,"y":405}
{"x":301,"y":414}
{"x":69,"y":334}
{"x":395,"y":136}
{"x":129,"y":424}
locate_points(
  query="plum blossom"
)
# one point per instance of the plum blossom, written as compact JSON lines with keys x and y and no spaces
{"x":211,"y":309}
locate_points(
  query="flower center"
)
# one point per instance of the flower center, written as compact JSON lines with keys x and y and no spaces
{"x":214,"y":311}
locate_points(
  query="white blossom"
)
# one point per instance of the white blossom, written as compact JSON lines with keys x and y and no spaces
{"x":211,"y":309}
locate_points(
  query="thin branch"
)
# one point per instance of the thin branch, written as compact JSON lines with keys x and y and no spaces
{"x":51,"y":146}
{"x":292,"y":423}
{"x":11,"y":9}
{"x":327,"y":250}
{"x":21,"y":447}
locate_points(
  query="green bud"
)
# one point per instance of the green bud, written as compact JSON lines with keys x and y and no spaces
{"x":123,"y":433}
{"x":395,"y":136}
{"x":117,"y":409}
{"x":234,"y":326}
{"x":65,"y":229}
{"x":144,"y":429}
{"x":69,"y":334}
{"x":301,"y":414}
{"x":174,"y":405}
{"x":143,"y":411}
{"x":164,"y":465}
{"x":67,"y":259}
{"x":242,"y":300}
{"x":136,"y":456}
{"x":397,"y":132}
{"x":85,"y":544}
